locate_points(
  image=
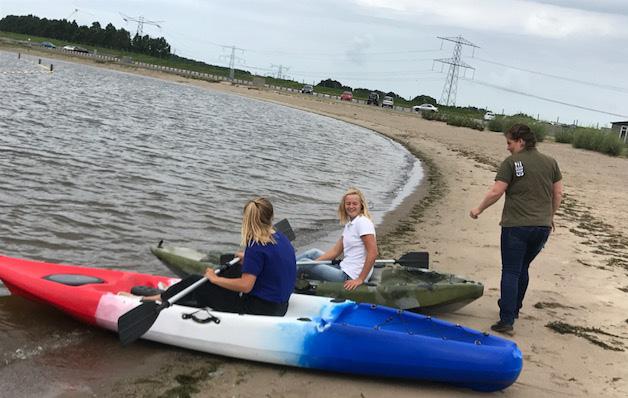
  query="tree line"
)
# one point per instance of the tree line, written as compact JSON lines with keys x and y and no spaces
{"x":95,"y":35}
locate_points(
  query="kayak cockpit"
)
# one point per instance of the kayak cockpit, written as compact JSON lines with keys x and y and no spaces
{"x":73,"y":279}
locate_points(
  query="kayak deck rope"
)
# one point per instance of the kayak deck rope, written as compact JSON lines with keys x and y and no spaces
{"x":398,"y":319}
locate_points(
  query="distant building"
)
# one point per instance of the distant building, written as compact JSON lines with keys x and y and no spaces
{"x":621,"y":128}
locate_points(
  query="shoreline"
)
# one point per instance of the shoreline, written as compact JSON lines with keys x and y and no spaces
{"x":573,"y":330}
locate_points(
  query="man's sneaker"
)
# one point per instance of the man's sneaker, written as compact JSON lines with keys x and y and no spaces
{"x":502,"y":327}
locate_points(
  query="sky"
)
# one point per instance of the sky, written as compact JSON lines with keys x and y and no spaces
{"x":557,"y":60}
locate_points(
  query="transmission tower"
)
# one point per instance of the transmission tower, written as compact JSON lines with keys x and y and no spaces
{"x":448,"y":97}
{"x":232,"y":59}
{"x":140,"y":23}
{"x":280,"y":71}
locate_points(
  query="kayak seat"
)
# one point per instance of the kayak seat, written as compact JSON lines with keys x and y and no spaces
{"x":145,"y":291}
{"x":376,"y":277}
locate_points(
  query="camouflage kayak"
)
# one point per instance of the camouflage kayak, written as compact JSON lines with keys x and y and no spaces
{"x":408,"y":288}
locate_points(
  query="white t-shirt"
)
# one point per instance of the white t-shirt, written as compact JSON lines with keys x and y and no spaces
{"x":354,"y":249}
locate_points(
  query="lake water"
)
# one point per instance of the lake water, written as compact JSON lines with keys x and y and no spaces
{"x":98,"y":165}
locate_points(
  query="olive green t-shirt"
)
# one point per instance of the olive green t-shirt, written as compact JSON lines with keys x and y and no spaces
{"x":530,"y":176}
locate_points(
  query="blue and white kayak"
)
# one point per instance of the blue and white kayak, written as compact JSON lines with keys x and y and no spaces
{"x":318,"y":333}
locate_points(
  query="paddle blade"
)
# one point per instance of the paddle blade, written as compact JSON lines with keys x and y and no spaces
{"x":133,"y":324}
{"x":415,"y":260}
{"x":284,"y":227}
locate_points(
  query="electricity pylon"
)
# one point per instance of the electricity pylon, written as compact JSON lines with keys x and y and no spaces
{"x":140,"y":23}
{"x":448,"y":97}
{"x":232,"y":60}
{"x":280,"y":71}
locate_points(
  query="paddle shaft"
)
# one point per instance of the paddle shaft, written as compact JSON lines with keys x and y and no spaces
{"x":329,"y":262}
{"x":196,"y":284}
{"x":418,"y":260}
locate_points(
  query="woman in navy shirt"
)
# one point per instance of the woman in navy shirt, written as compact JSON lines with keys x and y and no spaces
{"x":263,"y":283}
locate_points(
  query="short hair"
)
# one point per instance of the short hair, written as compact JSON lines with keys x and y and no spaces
{"x":342,"y":213}
{"x":257,"y":222}
{"x":522,"y":131}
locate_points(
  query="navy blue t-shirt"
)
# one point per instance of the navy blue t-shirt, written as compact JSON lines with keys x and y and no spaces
{"x":275,"y":267}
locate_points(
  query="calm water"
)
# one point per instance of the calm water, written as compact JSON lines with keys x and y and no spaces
{"x":97,"y":165}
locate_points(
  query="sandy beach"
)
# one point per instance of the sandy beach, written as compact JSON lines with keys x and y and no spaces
{"x":573,"y":329}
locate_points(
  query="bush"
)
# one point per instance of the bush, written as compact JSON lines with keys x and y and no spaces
{"x":461,"y":121}
{"x":611,"y":145}
{"x":441,"y":117}
{"x":564,"y":136}
{"x":584,"y":138}
{"x":496,"y":124}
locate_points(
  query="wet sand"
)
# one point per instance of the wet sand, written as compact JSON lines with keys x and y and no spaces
{"x":573,"y":329}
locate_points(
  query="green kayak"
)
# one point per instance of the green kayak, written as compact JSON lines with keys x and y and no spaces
{"x":408,"y":288}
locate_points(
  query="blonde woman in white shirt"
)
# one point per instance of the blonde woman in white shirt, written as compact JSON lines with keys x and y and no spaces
{"x":358,"y":245}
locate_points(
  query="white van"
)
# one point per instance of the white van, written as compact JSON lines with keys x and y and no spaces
{"x":388,"y":102}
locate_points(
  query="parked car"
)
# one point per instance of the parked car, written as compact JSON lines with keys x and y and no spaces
{"x":346,"y":96}
{"x":47,"y":44}
{"x":76,"y":49}
{"x":489,"y":116}
{"x":425,"y":108}
{"x":307,"y":89}
{"x":373,"y":99}
{"x":388,"y":102}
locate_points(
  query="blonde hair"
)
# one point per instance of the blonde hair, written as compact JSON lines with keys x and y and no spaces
{"x":342,"y":213}
{"x":257,"y":218}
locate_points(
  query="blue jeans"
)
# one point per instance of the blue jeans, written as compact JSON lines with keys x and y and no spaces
{"x":319,"y":272}
{"x":519,"y":246}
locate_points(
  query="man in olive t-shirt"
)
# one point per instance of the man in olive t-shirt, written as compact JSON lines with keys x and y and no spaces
{"x":533,"y":186}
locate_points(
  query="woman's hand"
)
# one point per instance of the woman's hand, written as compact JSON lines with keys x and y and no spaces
{"x":239,"y":255}
{"x":353,"y":283}
{"x":211,"y":275}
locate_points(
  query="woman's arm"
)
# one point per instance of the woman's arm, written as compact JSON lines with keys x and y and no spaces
{"x":243,"y":284}
{"x":492,"y":196}
{"x":557,"y":197}
{"x":332,"y":253}
{"x":370,"y":244}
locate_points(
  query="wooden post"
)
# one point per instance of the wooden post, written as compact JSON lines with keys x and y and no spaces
{"x":39,"y":61}
{"x":51,"y":67}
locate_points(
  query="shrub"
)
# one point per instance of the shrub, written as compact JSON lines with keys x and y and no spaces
{"x":461,"y":121}
{"x":564,"y":136}
{"x":441,"y":117}
{"x":496,"y":124}
{"x":584,"y":138}
{"x":611,"y":144}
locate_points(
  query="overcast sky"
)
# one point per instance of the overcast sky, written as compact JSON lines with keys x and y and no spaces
{"x":564,"y":59}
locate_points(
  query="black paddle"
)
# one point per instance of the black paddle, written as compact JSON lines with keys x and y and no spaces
{"x":411,"y":259}
{"x":133,"y":324}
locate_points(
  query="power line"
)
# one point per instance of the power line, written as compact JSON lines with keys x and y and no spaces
{"x":598,"y":85}
{"x":510,"y":90}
